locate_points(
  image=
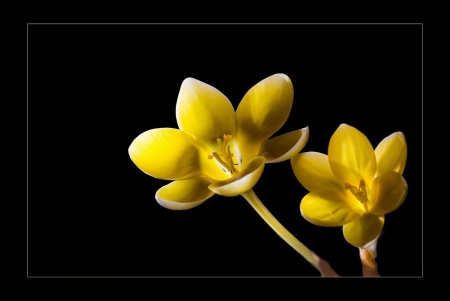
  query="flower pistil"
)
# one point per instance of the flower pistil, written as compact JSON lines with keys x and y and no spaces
{"x":225,"y":158}
{"x":360,"y":193}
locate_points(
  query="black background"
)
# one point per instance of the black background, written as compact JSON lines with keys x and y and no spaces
{"x":93,"y":88}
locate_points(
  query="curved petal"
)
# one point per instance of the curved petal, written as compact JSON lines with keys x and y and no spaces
{"x":363,"y":231}
{"x":283,"y":147}
{"x":327,"y":208}
{"x":172,"y":154}
{"x":391,"y":153}
{"x":184,"y":194}
{"x":263,"y":111}
{"x":313,"y":172}
{"x":204,"y":112}
{"x":388,"y":192}
{"x":242,"y":182}
{"x":351,"y":156}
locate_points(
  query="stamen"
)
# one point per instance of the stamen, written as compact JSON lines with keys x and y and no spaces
{"x":219,"y":143}
{"x":362,"y":187}
{"x":360,"y":194}
{"x":217,"y":156}
{"x":225,"y":158}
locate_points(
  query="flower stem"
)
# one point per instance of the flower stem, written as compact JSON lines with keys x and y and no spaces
{"x":321,"y":265}
{"x":369,"y":265}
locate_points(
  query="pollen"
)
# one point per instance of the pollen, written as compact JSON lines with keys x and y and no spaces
{"x":225,"y":157}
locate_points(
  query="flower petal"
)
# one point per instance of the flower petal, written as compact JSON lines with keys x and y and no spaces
{"x":351,"y":156}
{"x":283,"y":147}
{"x":388,"y":192}
{"x":263,"y":111}
{"x":204,"y":112}
{"x":363,"y":231}
{"x":313,"y":172}
{"x":184,"y":194}
{"x":391,"y":153}
{"x":172,"y":154}
{"x":328,"y":208}
{"x":244,"y":181}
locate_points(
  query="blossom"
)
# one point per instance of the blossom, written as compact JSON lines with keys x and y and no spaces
{"x":355,"y":185}
{"x":217,"y":149}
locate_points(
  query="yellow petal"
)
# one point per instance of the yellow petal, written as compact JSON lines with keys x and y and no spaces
{"x":313,"y":172}
{"x":172,"y":154}
{"x":391,"y":153}
{"x":388,"y":192}
{"x":184,"y":194}
{"x":283,"y":147}
{"x":363,"y":231}
{"x":263,"y":111}
{"x":351,"y":156}
{"x":244,"y":181}
{"x":327,"y":208}
{"x":204,"y":112}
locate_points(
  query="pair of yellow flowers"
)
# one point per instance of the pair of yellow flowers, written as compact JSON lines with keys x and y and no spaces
{"x":220,"y":150}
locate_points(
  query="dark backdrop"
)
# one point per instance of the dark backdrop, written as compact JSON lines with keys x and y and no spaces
{"x":94,"y":88}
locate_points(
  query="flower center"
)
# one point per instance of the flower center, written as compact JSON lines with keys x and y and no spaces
{"x":360,"y":193}
{"x":225,"y":158}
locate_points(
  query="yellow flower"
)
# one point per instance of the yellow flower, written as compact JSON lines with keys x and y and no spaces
{"x":354,"y":186}
{"x":218,"y":150}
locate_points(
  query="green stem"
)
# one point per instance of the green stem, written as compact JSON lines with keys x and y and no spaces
{"x":255,"y":202}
